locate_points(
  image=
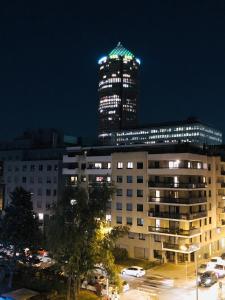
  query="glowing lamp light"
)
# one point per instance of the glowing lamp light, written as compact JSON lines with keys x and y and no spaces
{"x":183,"y":248}
{"x":138,"y":61}
{"x":101,"y":60}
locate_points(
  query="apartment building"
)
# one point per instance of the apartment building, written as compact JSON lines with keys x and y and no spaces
{"x":34,"y":161}
{"x":172,"y":197}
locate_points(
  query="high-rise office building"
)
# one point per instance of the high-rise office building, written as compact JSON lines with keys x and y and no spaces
{"x":118,"y":90}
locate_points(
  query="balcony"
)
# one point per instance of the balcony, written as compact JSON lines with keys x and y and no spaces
{"x":169,"y":200}
{"x":187,"y":248}
{"x":174,"y":231}
{"x":180,"y":185}
{"x":178,"y":216}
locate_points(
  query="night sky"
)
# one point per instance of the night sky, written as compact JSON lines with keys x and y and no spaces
{"x":49,"y":52}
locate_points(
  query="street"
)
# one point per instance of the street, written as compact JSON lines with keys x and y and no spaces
{"x":170,"y":282}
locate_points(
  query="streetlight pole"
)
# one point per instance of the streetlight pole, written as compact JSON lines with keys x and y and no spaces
{"x":196,"y":273}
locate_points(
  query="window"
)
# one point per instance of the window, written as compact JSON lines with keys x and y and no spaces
{"x":17,"y":169}
{"x":49,"y":167}
{"x":24,"y":179}
{"x":139,"y":179}
{"x":31,"y":179}
{"x":55,"y":179}
{"x":24,"y":168}
{"x":131,"y":235}
{"x":54,"y":192}
{"x":130,"y":165}
{"x":39,"y":192}
{"x":39,"y":203}
{"x":140,"y":222}
{"x":119,"y":192}
{"x":119,"y":179}
{"x":210,"y":220}
{"x":48,"y":180}
{"x":209,"y":180}
{"x":40,"y":167}
{"x":205,"y":221}
{"x":119,"y":165}
{"x":141,"y":236}
{"x":129,"y":221}
{"x":129,"y":193}
{"x":139,"y":165}
{"x":8,"y":179}
{"x":41,"y":216}
{"x":32,"y":168}
{"x":118,"y":206}
{"x":39,"y":179}
{"x":56,"y":167}
{"x":157,"y":238}
{"x":139,"y":207}
{"x":210,"y":193}
{"x":129,"y":179}
{"x":48,"y":192}
{"x":129,"y":207}
{"x":118,"y":220}
{"x":139,"y":193}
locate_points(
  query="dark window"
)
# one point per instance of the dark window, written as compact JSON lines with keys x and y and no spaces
{"x":24,"y":179}
{"x":40,"y":167}
{"x":139,"y":165}
{"x":210,"y":220}
{"x":119,"y":192}
{"x":48,"y":192}
{"x":129,"y":193}
{"x":49,"y":167}
{"x":118,"y":205}
{"x":139,"y":179}
{"x":129,"y":221}
{"x":32,"y":168}
{"x":157,"y":238}
{"x":139,"y":193}
{"x":118,"y":220}
{"x":119,"y":179}
{"x":129,"y":179}
{"x":139,"y":207}
{"x":129,"y":207}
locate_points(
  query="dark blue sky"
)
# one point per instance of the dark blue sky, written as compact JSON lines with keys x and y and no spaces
{"x":49,"y":52}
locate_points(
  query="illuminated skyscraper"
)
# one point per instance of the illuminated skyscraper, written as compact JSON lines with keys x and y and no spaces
{"x":118,"y":91}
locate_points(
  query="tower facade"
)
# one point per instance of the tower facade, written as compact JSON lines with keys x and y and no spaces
{"x":118,"y":91}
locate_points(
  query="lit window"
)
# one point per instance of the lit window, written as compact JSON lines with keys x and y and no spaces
{"x":41,"y":216}
{"x":130,"y":165}
{"x":119,"y":165}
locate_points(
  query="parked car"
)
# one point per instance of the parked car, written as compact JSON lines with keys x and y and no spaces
{"x":207,"y":279}
{"x":214,"y":261}
{"x":205,"y":267}
{"x":219,"y":270}
{"x":133,"y":271}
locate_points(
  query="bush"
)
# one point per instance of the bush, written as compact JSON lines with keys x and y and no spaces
{"x":120,"y":254}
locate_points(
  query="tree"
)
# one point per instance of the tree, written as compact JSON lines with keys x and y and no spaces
{"x":74,"y":229}
{"x":20,"y":228}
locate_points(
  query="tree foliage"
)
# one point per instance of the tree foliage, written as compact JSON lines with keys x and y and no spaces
{"x":20,"y":225}
{"x":74,"y":234}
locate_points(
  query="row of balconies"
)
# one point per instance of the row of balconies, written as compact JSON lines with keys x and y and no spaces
{"x":177,"y":216}
{"x":177,"y":200}
{"x":174,"y":231}
{"x":182,"y":248}
{"x":179,"y":185}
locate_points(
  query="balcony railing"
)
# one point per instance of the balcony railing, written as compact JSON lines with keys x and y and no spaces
{"x":178,"y":216}
{"x":187,"y":248}
{"x":180,"y":166}
{"x":180,"y":185}
{"x":174,"y":231}
{"x":177,"y":200}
